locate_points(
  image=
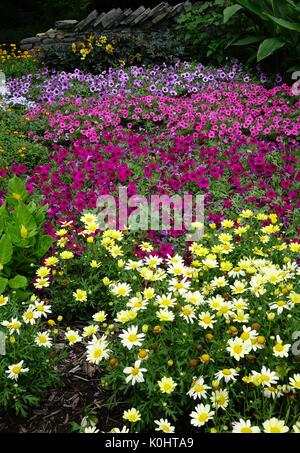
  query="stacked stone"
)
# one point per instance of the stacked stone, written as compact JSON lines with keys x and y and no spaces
{"x":115,"y":22}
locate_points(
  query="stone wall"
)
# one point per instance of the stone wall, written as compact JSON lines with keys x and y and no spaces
{"x":115,"y":22}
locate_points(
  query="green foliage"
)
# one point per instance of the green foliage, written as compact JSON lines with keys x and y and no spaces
{"x":21,"y":394}
{"x":22,"y":240}
{"x":276,"y":29}
{"x":19,"y":67}
{"x":98,"y":53}
{"x":204,"y":32}
{"x":15,"y":148}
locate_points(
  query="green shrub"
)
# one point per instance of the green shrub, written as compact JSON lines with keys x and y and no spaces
{"x":97,"y":53}
{"x":275,"y":30}
{"x":27,"y":359}
{"x":15,"y":148}
{"x":15,"y":63}
{"x":22,"y":240}
{"x":204,"y":32}
{"x":24,"y":346}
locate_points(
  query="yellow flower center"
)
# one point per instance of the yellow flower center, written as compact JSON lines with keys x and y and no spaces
{"x":246,"y":429}
{"x":265,"y":378}
{"x":237,"y":348}
{"x":199,"y":388}
{"x":202,"y":417}
{"x":207,"y":319}
{"x":132,"y":337}
{"x":279,"y":347}
{"x":16,"y":369}
{"x":245,"y":336}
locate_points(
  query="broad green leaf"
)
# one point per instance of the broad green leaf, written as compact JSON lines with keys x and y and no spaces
{"x":282,"y":8}
{"x":19,"y":281}
{"x":231,"y":11}
{"x":43,"y":245}
{"x":253,"y":7}
{"x":6,"y":249}
{"x":24,"y":217}
{"x":294,"y":68}
{"x":285,"y":23}
{"x":3,"y":284}
{"x":22,"y":295}
{"x":16,"y":191}
{"x":268,"y":47}
{"x":247,"y":41}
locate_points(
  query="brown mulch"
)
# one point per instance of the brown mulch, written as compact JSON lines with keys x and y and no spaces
{"x":79,"y":391}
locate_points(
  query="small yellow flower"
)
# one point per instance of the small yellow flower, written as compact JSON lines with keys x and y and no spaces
{"x":95,"y":264}
{"x":23,"y":232}
{"x":80,"y":295}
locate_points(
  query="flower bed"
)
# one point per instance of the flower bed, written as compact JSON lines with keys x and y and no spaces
{"x":197,"y":333}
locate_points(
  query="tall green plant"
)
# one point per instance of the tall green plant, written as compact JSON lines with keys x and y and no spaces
{"x":203,"y":31}
{"x":277,"y":26}
{"x":22,"y":240}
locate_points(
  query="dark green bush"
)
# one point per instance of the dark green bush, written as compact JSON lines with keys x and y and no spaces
{"x":274,"y":36}
{"x":15,"y":148}
{"x":97,"y":53}
{"x":204,"y":33}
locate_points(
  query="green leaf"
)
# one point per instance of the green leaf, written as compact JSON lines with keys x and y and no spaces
{"x":247,"y":41}
{"x":16,"y":191}
{"x":268,"y":47}
{"x":281,"y":8}
{"x":3,"y":284}
{"x":253,"y":7}
{"x":285,"y":23}
{"x":43,"y":245}
{"x":294,"y":68}
{"x":19,"y":281}
{"x":231,"y":11}
{"x":24,"y":217}
{"x":21,"y":295}
{"x":6,"y":249}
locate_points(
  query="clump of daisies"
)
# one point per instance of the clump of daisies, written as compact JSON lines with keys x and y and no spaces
{"x":27,"y":349}
{"x":211,"y":337}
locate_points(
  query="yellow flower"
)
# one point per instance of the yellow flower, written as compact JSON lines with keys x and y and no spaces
{"x":226,"y":223}
{"x":132,"y":415}
{"x":66,"y":255}
{"x":80,"y":295}
{"x":106,"y":281}
{"x":23,"y":232}
{"x":109,"y":49}
{"x":43,"y":271}
{"x":294,"y":297}
{"x":246,"y":214}
{"x":167,"y":385}
{"x":3,"y":300}
{"x":294,"y":246}
{"x":273,"y":218}
{"x":61,"y":232}
{"x":51,"y":261}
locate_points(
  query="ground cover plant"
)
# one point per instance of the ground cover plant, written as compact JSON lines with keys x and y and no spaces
{"x":199,"y":334}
